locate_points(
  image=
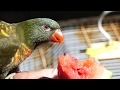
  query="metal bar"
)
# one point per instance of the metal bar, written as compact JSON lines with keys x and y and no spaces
{"x":82,"y":28}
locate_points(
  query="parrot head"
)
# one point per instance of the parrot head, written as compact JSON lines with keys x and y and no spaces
{"x":39,"y":30}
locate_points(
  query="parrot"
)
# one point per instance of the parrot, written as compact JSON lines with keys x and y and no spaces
{"x":18,"y":40}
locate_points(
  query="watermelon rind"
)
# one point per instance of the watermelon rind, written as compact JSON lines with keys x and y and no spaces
{"x":107,"y":74}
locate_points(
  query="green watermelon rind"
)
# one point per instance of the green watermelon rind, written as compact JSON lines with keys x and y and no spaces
{"x":107,"y":74}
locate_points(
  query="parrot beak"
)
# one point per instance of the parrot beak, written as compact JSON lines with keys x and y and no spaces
{"x":57,"y":36}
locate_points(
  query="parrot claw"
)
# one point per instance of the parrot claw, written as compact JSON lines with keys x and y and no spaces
{"x":10,"y":76}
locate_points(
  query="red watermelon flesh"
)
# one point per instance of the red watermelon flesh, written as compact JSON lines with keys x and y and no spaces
{"x":71,"y":68}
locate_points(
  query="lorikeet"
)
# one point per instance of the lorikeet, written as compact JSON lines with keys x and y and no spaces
{"x":18,"y":40}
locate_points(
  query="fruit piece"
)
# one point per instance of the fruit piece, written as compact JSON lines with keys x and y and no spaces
{"x":101,"y":51}
{"x":71,"y":68}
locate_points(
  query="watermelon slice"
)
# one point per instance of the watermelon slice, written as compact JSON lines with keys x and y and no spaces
{"x":71,"y":68}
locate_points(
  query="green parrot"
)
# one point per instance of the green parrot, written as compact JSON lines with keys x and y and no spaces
{"x":18,"y":40}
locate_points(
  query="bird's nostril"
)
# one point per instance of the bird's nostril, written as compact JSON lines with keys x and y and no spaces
{"x":57,"y":38}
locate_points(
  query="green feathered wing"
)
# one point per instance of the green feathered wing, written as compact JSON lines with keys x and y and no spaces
{"x":12,"y":51}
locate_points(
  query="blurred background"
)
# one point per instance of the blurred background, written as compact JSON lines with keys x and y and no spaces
{"x":80,"y":29}
{"x":16,"y":16}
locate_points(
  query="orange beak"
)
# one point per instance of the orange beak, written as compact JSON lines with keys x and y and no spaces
{"x":57,"y":36}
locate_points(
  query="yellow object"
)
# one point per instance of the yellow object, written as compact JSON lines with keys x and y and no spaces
{"x":4,"y":33}
{"x":101,"y":49}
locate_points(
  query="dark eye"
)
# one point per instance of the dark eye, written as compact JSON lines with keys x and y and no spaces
{"x":46,"y":28}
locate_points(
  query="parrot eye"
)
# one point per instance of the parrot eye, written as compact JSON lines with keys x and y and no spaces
{"x":46,"y":28}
